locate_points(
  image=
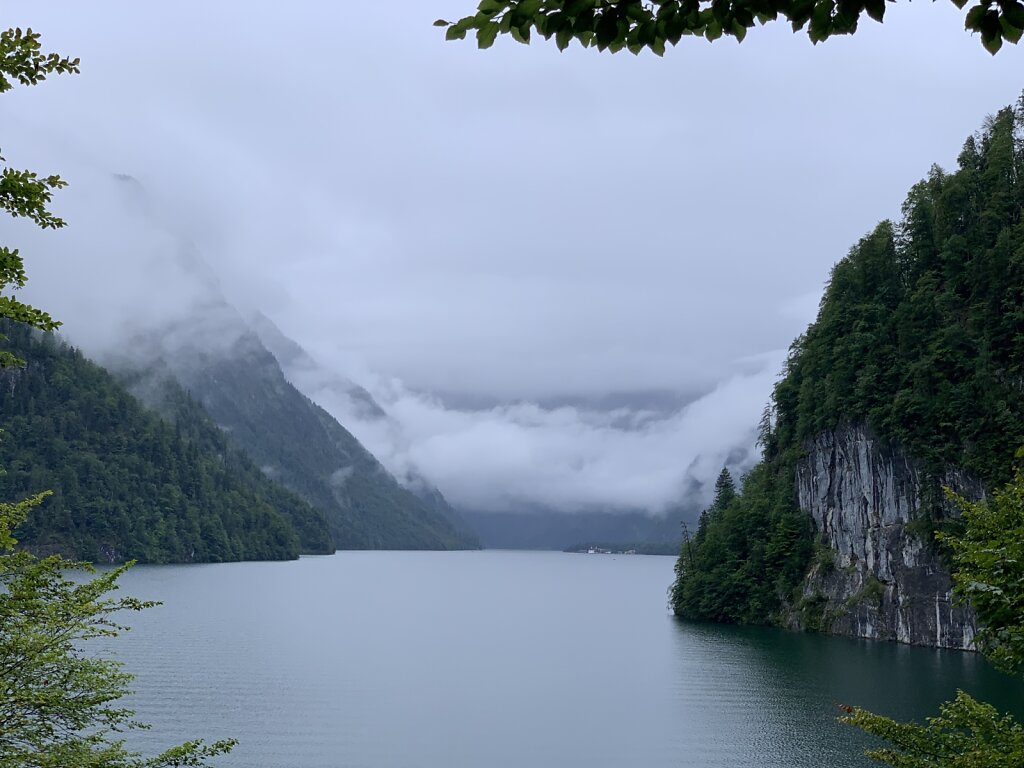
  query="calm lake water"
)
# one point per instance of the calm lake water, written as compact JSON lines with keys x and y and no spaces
{"x":494,"y":659}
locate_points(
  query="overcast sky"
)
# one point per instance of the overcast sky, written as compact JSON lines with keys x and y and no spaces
{"x":474,"y":232}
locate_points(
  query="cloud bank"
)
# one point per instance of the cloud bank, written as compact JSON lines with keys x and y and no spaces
{"x":570,"y":458}
{"x":561,"y":275}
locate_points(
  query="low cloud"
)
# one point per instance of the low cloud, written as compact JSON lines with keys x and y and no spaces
{"x":522,"y":455}
{"x":557,"y":274}
{"x":519,"y":454}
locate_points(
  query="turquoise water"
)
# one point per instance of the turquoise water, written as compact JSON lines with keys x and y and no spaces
{"x":459,"y":659}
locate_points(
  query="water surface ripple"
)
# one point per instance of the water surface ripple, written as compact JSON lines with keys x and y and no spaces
{"x":500,"y":660}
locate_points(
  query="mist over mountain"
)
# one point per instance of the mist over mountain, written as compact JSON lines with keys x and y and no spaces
{"x":128,"y":483}
{"x":299,"y":445}
{"x":212,"y":353}
{"x":567,"y":454}
{"x":570,"y":455}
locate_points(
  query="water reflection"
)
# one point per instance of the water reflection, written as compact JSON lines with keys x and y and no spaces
{"x":785,"y":687}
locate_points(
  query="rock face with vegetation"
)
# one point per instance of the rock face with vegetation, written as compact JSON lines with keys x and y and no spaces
{"x":876,"y":575}
{"x":910,"y":379}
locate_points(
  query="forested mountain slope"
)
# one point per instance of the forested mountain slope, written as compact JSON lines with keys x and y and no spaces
{"x":346,"y":400}
{"x":128,"y":484}
{"x":910,"y":379}
{"x":294,"y":441}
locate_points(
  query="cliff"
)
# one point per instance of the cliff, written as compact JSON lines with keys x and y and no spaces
{"x":919,"y":339}
{"x":875,"y":576}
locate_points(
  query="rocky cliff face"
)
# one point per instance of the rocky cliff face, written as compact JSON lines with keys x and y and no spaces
{"x":875,"y":578}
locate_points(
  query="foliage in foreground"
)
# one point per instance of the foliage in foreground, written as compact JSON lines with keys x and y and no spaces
{"x":25,"y":193}
{"x":58,"y":705}
{"x":634,"y":25}
{"x":989,"y":571}
{"x":966,"y":734}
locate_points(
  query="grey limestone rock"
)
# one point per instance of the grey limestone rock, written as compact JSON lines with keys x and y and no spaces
{"x":880,"y":581}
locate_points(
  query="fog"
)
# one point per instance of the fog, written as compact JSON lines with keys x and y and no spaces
{"x":569,"y":279}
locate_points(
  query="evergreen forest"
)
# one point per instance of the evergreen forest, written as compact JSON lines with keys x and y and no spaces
{"x":302,"y":447}
{"x":128,"y":484}
{"x":920,"y":338}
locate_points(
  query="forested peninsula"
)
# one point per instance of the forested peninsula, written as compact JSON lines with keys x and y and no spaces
{"x":911,"y":379}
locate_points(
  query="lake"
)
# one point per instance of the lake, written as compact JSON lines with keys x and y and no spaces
{"x":501,"y":659}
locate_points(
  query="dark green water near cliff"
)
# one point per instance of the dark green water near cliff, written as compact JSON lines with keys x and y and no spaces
{"x":501,"y":659}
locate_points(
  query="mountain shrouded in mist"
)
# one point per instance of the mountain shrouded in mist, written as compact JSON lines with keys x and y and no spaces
{"x":128,"y":484}
{"x":190,"y":339}
{"x":179,"y":274}
{"x":293,"y":440}
{"x":192,"y":336}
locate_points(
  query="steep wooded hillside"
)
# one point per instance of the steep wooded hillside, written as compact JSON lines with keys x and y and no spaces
{"x":127,"y":483}
{"x":910,"y":380}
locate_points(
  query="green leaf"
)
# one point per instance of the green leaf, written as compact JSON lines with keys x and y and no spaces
{"x":675,"y":26}
{"x":524,"y":12}
{"x":800,"y":12}
{"x":821,"y":21}
{"x":991,"y":42}
{"x":585,"y":20}
{"x":455,"y":33}
{"x":876,"y":8}
{"x":563,"y":37}
{"x":576,"y":7}
{"x":991,"y":31}
{"x":486,"y":35}
{"x":668,"y":9}
{"x":1010,"y":32}
{"x":607,"y":28}
{"x":646,"y":33}
{"x":521,"y":34}
{"x":974,"y":17}
{"x":1013,"y":12}
{"x":442,"y":23}
{"x":555,"y":22}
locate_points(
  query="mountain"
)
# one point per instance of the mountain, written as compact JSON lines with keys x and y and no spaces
{"x":302,"y":369}
{"x":128,"y":484}
{"x":329,"y":388}
{"x":911,"y":379}
{"x":225,"y":366}
{"x":188,"y":334}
